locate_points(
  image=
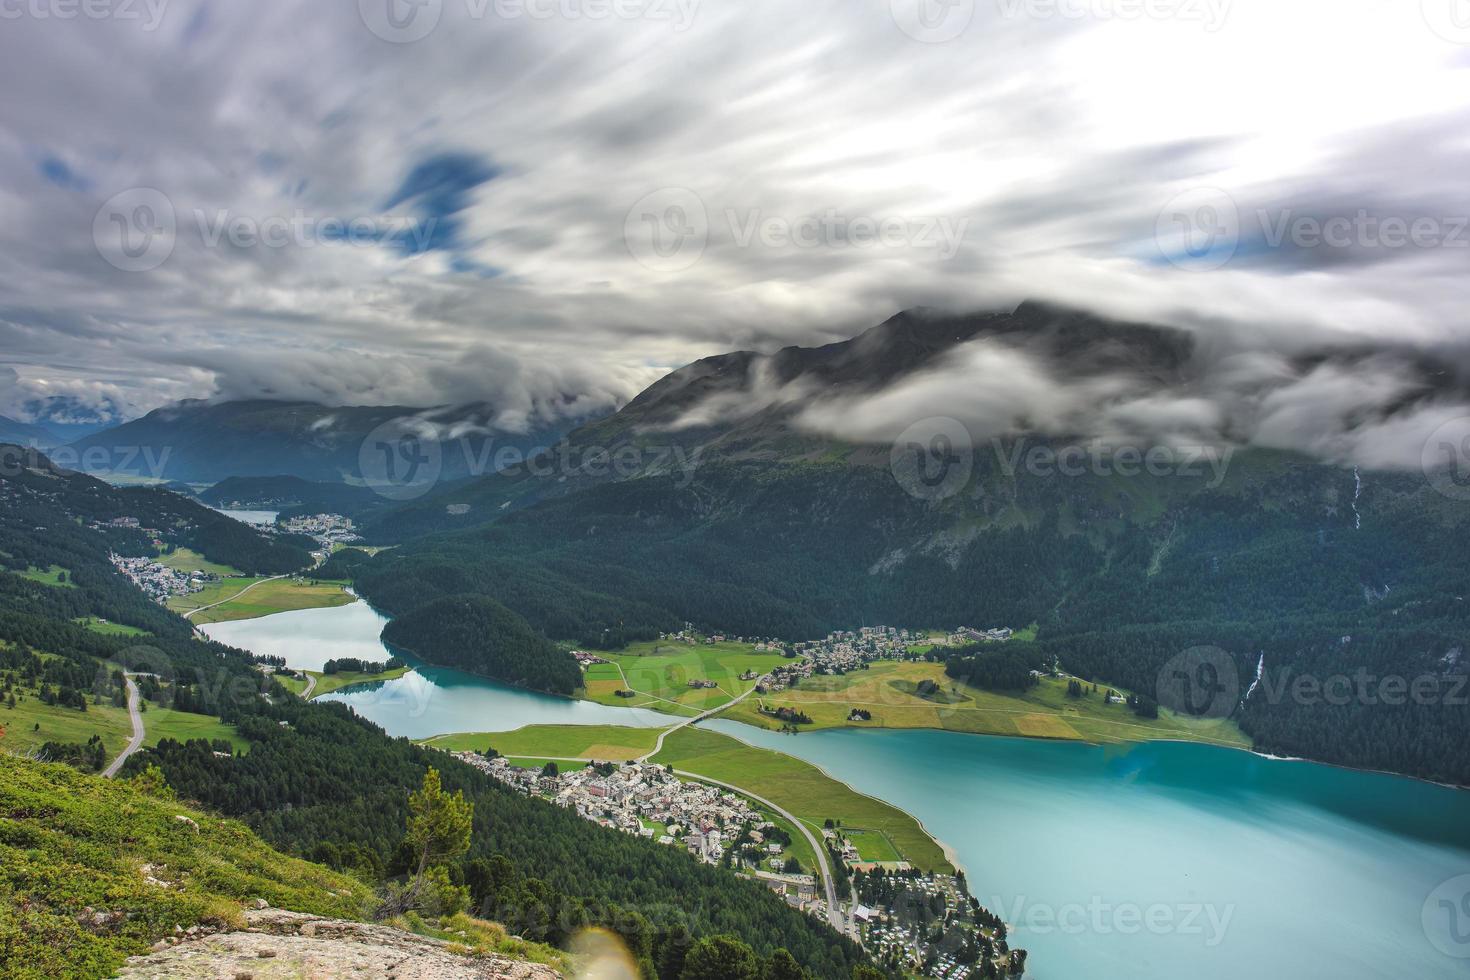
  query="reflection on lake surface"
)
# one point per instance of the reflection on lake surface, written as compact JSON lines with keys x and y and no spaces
{"x":1287,"y":870}
{"x":250,"y":516}
{"x":426,"y":701}
{"x":308,"y":638}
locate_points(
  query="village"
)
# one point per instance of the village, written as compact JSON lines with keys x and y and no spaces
{"x":159,"y":581}
{"x":922,"y":924}
{"x":845,"y":650}
{"x":329,"y":529}
{"x":715,"y":826}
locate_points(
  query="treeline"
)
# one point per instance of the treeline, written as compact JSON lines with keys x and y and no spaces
{"x":353,"y":665}
{"x":343,"y":564}
{"x":996,"y":666}
{"x":476,"y":633}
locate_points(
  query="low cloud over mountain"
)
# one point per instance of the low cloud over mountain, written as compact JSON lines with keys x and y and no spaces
{"x":546,"y":214}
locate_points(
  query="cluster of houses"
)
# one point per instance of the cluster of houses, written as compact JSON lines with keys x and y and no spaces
{"x":967,"y":634}
{"x":649,"y":801}
{"x":129,"y":524}
{"x":639,"y":798}
{"x":783,"y":676}
{"x":158,"y":581}
{"x":328,"y":529}
{"x":692,"y":637}
{"x":925,"y":930}
{"x":845,"y":650}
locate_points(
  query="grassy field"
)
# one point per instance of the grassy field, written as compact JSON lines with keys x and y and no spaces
{"x":211,"y":593}
{"x":327,"y":683}
{"x":278,"y":595}
{"x":18,"y":732}
{"x":161,"y":723}
{"x":186,"y":560}
{"x":605,"y":743}
{"x":873,"y":845}
{"x":660,"y":672}
{"x":810,"y":794}
{"x":99,"y":625}
{"x":50,"y":575}
{"x":888,"y":691}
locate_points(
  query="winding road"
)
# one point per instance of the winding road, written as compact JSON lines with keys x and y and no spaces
{"x":834,"y":914}
{"x":137,"y":719}
{"x":310,"y":686}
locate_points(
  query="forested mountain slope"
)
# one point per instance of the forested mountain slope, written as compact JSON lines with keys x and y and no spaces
{"x":743,"y":519}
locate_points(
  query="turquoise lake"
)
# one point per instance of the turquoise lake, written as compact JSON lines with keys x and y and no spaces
{"x":1162,"y":861}
{"x":426,"y":701}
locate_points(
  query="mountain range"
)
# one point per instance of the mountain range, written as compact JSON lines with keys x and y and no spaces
{"x":394,"y":447}
{"x":760,"y":495}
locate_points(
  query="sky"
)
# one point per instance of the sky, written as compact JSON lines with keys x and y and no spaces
{"x":547,"y":204}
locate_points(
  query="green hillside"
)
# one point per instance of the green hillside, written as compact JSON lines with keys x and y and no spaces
{"x":93,"y":871}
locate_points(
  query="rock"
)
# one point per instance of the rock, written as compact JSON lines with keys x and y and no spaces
{"x":278,"y":944}
{"x":261,"y":903}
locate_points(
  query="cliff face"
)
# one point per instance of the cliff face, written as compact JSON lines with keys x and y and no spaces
{"x":289,"y":944}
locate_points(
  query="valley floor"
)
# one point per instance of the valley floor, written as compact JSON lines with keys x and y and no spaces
{"x":802,"y":789}
{"x":659,"y":677}
{"x":249,"y":598}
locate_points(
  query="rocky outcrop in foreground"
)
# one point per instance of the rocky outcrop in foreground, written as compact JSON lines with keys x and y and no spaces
{"x":279,"y":945}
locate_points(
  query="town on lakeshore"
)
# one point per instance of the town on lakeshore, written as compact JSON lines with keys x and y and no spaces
{"x":162,"y":577}
{"x":921,"y":923}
